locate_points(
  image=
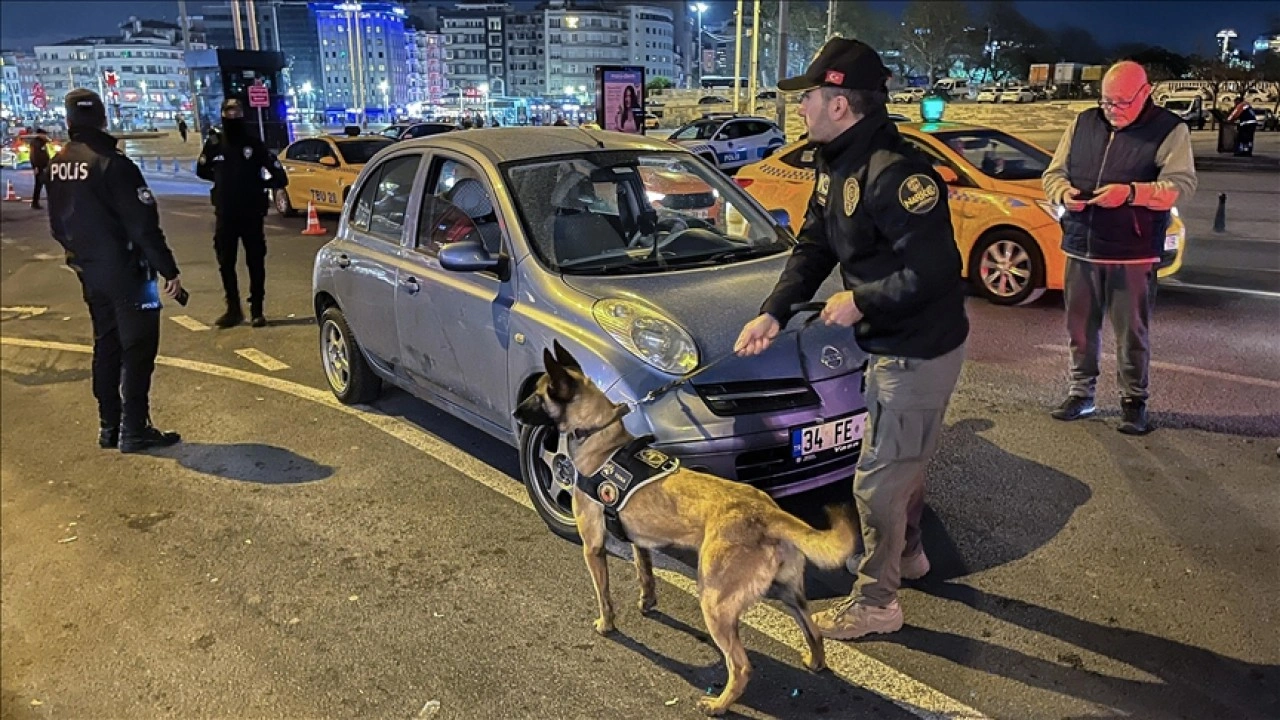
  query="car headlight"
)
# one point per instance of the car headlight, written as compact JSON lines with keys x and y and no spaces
{"x":648,"y":335}
{"x":1054,"y":211}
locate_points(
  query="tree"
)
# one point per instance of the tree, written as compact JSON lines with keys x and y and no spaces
{"x":658,"y":83}
{"x":1161,"y":64}
{"x":1005,"y":43}
{"x":1076,"y":44}
{"x":1216,"y":74}
{"x":933,"y":33}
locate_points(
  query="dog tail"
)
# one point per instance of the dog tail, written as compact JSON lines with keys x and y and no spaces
{"x":828,"y":549}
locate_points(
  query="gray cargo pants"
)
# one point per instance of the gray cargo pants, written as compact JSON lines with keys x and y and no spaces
{"x":906,"y":401}
{"x":1126,"y":294}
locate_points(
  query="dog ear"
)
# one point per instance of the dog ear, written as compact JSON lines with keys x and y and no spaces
{"x":564,"y":358}
{"x":562,"y":385}
{"x":548,"y":360}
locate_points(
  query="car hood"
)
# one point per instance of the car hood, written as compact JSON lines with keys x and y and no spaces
{"x":736,"y":292}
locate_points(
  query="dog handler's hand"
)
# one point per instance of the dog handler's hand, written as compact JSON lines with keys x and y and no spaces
{"x":841,"y":310}
{"x":757,"y":335}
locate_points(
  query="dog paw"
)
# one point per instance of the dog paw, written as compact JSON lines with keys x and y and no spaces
{"x":816,"y":666}
{"x":647,"y":604}
{"x":604,"y":627}
{"x":711,"y":707}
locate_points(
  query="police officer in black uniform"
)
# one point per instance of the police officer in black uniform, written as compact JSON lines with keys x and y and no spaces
{"x":879,"y":212}
{"x":105,"y":217}
{"x":235,"y":160}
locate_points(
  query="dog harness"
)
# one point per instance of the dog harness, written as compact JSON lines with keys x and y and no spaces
{"x":632,"y":466}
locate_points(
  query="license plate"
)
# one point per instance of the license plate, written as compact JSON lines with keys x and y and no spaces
{"x":700,"y":213}
{"x":1170,"y":242}
{"x":832,"y":437}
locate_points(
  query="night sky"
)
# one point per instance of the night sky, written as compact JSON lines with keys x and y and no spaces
{"x":1183,"y":27}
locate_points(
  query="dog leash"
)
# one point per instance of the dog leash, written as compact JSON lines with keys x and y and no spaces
{"x":814,"y":307}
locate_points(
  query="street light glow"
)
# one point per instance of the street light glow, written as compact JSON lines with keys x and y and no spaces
{"x":700,"y":7}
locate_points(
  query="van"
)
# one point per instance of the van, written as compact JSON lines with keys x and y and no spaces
{"x":1191,"y":110}
{"x":952,"y":87}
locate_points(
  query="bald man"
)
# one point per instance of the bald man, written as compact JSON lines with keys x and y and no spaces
{"x":1118,"y":171}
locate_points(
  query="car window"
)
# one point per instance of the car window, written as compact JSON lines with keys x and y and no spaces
{"x":322,"y":149}
{"x":384,"y":199}
{"x":456,"y":206}
{"x":428,"y":129}
{"x":732,"y":131}
{"x":300,"y":152}
{"x":359,"y":152}
{"x":701,"y":130}
{"x":997,"y":154}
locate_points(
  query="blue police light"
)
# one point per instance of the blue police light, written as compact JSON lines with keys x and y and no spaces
{"x":932,"y":107}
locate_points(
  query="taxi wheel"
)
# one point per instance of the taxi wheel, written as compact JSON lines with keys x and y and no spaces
{"x":283,"y":206}
{"x":1007,"y":269}
{"x":548,"y":477}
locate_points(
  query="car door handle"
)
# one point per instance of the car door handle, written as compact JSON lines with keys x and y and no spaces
{"x":342,"y":261}
{"x":410,"y":285}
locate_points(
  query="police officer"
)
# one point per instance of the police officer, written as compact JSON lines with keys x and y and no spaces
{"x":235,"y":160}
{"x":879,"y":212}
{"x":39,"y":164}
{"x":105,"y":217}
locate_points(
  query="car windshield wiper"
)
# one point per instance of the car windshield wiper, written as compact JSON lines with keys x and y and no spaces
{"x":739,"y":253}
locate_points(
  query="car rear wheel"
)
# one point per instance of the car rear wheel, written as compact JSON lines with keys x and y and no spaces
{"x":1007,"y":269}
{"x":283,"y":206}
{"x":549,"y":476}
{"x":350,"y":377}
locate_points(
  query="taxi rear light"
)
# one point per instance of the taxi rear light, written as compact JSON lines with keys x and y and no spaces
{"x":744,"y":182}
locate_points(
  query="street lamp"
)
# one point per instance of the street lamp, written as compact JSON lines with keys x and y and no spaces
{"x":699,"y":8}
{"x":142,"y":102}
{"x":383,"y":87}
{"x":484,"y":93}
{"x":306,"y":91}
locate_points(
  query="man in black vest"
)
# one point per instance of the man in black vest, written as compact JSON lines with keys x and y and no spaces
{"x":1118,"y":170}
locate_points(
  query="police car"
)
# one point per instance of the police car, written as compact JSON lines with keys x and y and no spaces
{"x":729,"y":141}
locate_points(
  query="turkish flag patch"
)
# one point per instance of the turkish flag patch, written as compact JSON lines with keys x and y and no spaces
{"x":835,"y":77}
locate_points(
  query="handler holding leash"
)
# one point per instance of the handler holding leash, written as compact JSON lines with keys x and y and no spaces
{"x":879,"y":211}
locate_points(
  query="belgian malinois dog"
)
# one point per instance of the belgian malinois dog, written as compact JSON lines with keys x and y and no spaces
{"x":748,"y":547}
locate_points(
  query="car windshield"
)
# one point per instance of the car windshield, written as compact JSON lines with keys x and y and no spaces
{"x":622,"y":212}
{"x":359,"y":152}
{"x":393,"y":131}
{"x":700,"y":130}
{"x":996,"y":154}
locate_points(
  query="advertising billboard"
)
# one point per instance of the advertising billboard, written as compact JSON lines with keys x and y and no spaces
{"x":620,"y":98}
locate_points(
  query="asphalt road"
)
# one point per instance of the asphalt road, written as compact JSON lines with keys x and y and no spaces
{"x":294,"y":558}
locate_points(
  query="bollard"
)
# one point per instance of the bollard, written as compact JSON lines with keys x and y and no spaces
{"x":175,"y":166}
{"x":1220,"y":219}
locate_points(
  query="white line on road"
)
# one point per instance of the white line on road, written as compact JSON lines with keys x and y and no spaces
{"x":1215,"y":374}
{"x":189,"y":323}
{"x":1175,"y":284}
{"x":261,"y":359}
{"x":187,"y":214}
{"x":846,"y":661}
{"x":22,"y":312}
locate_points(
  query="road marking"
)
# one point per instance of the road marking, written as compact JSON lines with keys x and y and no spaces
{"x":1215,"y":374}
{"x":189,"y":323}
{"x":261,"y":359}
{"x":48,"y":256}
{"x":1175,"y":284}
{"x":846,"y":661}
{"x":186,"y":214}
{"x":22,"y":312}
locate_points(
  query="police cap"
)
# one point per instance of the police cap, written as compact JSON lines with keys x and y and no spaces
{"x":842,"y":63}
{"x":85,"y":109}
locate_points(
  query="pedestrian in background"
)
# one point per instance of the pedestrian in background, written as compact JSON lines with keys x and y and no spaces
{"x":182,"y":128}
{"x":235,"y":160}
{"x":1118,"y":170}
{"x":39,"y":154}
{"x":104,"y":215}
{"x":1246,"y":121}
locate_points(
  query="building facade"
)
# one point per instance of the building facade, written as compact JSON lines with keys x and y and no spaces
{"x":652,"y":40}
{"x":364,"y":54}
{"x":526,"y":55}
{"x":476,"y":47}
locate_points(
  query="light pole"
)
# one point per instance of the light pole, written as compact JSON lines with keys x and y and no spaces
{"x":383,"y":87}
{"x":484,"y":94}
{"x":142,"y":102}
{"x":699,"y":8}
{"x":306,"y":91}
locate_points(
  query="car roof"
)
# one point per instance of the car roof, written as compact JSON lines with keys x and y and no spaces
{"x":502,"y":144}
{"x":356,"y":138}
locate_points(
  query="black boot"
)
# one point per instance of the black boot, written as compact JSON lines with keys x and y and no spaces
{"x":1133,"y":417}
{"x":231,"y":318}
{"x":145,"y":438}
{"x":108,"y":435}
{"x":258,"y":319}
{"x":1074,"y":408}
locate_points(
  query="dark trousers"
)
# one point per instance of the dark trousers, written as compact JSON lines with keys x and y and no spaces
{"x":1125,"y":293}
{"x":230,"y":232}
{"x":1244,"y":139}
{"x":125,"y":343}
{"x":40,"y":176}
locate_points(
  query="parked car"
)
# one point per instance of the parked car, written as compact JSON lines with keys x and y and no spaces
{"x":321,"y":170}
{"x":1191,"y":110}
{"x":1017,"y":94}
{"x":459,"y":258}
{"x":714,"y":100}
{"x":730,"y":141}
{"x":651,"y":121}
{"x":16,"y":151}
{"x":909,"y":95}
{"x":1007,"y":231}
{"x":988,"y":94}
{"x":410,"y":130}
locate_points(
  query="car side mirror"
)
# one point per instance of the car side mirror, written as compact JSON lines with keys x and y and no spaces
{"x":782,"y":217}
{"x":329,"y":161}
{"x":467,"y":256}
{"x":948,"y":175}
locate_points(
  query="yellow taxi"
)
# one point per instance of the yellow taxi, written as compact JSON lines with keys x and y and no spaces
{"x":1008,"y":233}
{"x":321,"y":170}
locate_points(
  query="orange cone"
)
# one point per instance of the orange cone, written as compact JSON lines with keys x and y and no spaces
{"x":10,"y":195}
{"x":313,"y":222}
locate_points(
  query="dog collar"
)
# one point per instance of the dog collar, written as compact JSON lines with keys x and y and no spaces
{"x":619,"y":412}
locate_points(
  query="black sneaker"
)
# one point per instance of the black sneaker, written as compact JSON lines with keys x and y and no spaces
{"x":1133,"y":418}
{"x":258,"y":321}
{"x":1074,"y":408}
{"x":132,"y":441}
{"x":231,"y":318}
{"x":108,"y":436}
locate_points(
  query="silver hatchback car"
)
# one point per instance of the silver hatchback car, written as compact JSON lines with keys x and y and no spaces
{"x":460,"y":257}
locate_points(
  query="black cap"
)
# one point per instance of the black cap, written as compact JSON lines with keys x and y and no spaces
{"x":85,"y":109}
{"x":842,"y":63}
{"x":232,"y":109}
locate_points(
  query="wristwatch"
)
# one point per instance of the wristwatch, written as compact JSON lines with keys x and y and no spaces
{"x":1133,"y":194}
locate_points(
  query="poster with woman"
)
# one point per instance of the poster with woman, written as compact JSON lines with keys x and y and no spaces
{"x":620,"y":98}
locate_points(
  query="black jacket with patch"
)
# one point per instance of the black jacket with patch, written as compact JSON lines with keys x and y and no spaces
{"x":880,"y":212}
{"x":236,"y":167}
{"x":104,"y":215}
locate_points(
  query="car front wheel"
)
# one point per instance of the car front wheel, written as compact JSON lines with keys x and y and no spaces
{"x":549,"y":476}
{"x":1007,"y":268}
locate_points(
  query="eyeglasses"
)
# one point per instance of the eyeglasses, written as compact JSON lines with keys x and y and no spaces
{"x":1121,"y":104}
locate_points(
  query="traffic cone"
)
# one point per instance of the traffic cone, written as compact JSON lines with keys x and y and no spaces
{"x":313,"y":222}
{"x":10,"y":195}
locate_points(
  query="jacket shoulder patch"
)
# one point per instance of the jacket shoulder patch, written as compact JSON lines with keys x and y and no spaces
{"x":852,"y":193}
{"x":918,"y":194}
